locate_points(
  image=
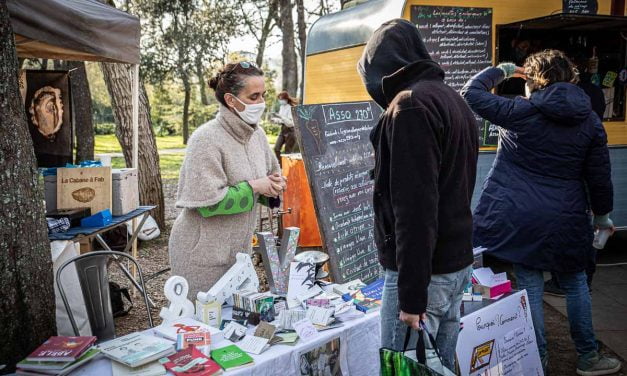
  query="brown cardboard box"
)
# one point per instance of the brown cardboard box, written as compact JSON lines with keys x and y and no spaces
{"x":88,"y":187}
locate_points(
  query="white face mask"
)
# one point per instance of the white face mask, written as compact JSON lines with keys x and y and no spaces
{"x":282,"y":102}
{"x":252,"y":113}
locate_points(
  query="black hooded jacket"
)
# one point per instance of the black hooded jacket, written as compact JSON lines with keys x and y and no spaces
{"x":426,"y":147}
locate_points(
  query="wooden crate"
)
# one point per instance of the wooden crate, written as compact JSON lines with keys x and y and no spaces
{"x":88,"y":187}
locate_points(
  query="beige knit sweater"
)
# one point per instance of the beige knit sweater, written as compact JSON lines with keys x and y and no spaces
{"x":221,"y":153}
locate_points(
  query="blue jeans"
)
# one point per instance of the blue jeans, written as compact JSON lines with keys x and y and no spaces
{"x":443,"y":313}
{"x":578,"y":306}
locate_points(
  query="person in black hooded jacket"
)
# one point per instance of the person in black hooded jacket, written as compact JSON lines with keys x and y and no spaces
{"x":426,"y":146}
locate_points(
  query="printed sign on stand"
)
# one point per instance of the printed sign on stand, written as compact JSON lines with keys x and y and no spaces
{"x":499,"y":340}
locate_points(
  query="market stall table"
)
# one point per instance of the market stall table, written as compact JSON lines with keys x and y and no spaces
{"x":75,"y":234}
{"x":359,"y":352}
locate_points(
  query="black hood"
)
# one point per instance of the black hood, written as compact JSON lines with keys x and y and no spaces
{"x":392,"y":47}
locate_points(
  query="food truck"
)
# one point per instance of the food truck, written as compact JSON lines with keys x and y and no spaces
{"x":465,"y":36}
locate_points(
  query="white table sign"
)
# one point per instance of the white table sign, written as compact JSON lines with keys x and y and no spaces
{"x":499,"y":340}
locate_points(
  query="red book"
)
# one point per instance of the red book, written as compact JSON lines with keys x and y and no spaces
{"x":61,"y":349}
{"x":192,"y":362}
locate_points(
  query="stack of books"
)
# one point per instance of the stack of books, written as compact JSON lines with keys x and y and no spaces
{"x":256,"y":302}
{"x":367,"y":299}
{"x":59,"y":355}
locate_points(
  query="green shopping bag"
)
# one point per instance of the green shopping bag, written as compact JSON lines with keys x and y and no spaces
{"x":397,"y":363}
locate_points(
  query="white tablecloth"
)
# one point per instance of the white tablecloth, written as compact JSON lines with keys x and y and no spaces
{"x":359,"y":352}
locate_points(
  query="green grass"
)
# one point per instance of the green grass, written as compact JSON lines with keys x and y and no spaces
{"x":170,"y":164}
{"x":108,"y":143}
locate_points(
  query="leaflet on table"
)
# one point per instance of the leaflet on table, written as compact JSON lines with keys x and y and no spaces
{"x":265,"y":330}
{"x":253,"y":344}
{"x":288,"y":338}
{"x":287,"y":319}
{"x":191,"y":362}
{"x":234,"y":331}
{"x":320,"y":316}
{"x":305,"y":330}
{"x":485,"y":277}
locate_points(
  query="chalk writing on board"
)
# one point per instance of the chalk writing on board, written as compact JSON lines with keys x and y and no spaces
{"x":338,"y":163}
{"x":580,"y":6}
{"x":460,"y":40}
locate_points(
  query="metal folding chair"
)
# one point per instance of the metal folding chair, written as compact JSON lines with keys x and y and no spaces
{"x":92,"y":271}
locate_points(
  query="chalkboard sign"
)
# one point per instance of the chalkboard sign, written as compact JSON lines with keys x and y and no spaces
{"x":460,"y":40}
{"x":338,"y":156}
{"x":580,"y":6}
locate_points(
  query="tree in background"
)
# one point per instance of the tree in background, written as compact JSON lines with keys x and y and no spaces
{"x":82,"y":110}
{"x":259,"y":17}
{"x":180,"y":35}
{"x":118,"y":79}
{"x":27,"y":305}
{"x":285,"y":22}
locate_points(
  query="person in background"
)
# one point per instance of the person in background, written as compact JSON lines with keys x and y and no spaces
{"x":287,"y":136}
{"x":597,"y":101}
{"x":533,"y":211}
{"x":228,"y":168}
{"x":426,"y":149}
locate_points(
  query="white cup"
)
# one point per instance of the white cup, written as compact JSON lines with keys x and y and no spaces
{"x":600,"y":237}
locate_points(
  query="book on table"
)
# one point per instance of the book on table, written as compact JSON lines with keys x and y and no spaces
{"x":150,"y":369}
{"x":231,"y":357}
{"x":171,"y":329}
{"x":367,"y":299}
{"x":61,"y":349}
{"x":55,"y":368}
{"x":136,"y":349}
{"x":191,"y":362}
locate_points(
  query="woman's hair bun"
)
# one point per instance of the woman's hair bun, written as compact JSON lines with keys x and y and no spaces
{"x":213,"y":81}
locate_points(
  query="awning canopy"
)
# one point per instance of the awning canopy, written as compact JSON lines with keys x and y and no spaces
{"x":74,"y":30}
{"x":568,"y":22}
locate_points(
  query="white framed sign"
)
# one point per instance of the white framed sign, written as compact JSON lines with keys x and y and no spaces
{"x":499,"y":340}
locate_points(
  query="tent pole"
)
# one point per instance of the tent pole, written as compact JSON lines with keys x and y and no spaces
{"x":135,"y":95}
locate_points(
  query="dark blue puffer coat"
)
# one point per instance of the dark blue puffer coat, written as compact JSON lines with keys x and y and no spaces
{"x":552,"y":166}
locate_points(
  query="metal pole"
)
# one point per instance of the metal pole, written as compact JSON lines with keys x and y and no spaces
{"x":135,"y":164}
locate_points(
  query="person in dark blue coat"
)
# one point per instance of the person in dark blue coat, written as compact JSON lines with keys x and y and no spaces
{"x":552,"y":167}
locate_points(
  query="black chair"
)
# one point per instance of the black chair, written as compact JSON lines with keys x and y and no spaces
{"x":92,"y":269}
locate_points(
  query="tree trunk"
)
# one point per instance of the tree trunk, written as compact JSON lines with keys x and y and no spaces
{"x":27,"y":303}
{"x":83,"y":121}
{"x":202,"y":82}
{"x":188,"y":94}
{"x":302,"y":37}
{"x":118,"y":78}
{"x":266,"y":30}
{"x":290,"y":68}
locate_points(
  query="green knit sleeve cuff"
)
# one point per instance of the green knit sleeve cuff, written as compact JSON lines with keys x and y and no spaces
{"x":238,"y":199}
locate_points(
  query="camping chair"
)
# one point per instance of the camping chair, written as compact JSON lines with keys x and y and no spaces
{"x":91,"y":269}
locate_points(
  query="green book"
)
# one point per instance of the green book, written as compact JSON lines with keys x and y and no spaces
{"x":231,"y":357}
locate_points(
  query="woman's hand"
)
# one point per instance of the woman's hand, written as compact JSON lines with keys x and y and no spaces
{"x":280,"y":180}
{"x":520,"y":73}
{"x":265,"y":186}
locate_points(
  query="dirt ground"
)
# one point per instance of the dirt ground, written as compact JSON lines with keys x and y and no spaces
{"x":153,"y":257}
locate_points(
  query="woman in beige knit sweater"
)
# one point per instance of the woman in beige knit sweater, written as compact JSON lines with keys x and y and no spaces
{"x":228,"y":168}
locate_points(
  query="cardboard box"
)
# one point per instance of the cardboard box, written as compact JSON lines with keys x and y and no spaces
{"x":87,"y":187}
{"x":125,"y":191}
{"x":489,"y":292}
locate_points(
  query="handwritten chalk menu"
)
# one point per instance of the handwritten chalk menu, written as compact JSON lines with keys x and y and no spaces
{"x":338,"y":156}
{"x":460,"y":40}
{"x":499,"y":339}
{"x":580,"y":6}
